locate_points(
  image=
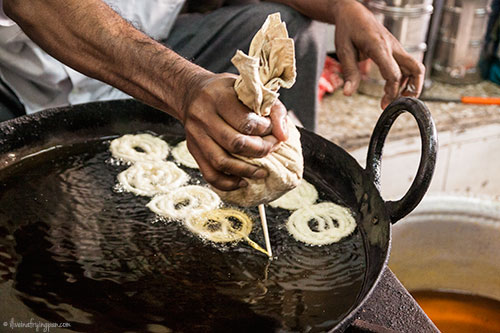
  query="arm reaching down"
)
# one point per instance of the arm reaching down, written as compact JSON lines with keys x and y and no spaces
{"x":359,"y":35}
{"x":94,"y":40}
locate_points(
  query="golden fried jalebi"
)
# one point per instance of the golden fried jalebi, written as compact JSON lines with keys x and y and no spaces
{"x":223,"y":225}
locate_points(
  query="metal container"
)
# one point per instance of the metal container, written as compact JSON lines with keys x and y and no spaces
{"x":460,"y":41}
{"x":408,"y":21}
{"x":450,"y":242}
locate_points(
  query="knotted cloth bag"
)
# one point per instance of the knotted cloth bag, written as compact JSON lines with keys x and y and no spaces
{"x":269,"y":65}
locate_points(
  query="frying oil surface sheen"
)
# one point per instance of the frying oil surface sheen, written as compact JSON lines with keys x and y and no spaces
{"x":73,"y":249}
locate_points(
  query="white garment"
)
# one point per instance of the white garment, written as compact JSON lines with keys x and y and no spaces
{"x":40,"y":81}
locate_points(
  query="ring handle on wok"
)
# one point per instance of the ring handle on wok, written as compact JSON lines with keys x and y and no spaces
{"x":400,"y":208}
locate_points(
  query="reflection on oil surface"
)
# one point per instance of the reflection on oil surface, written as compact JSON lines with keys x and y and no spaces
{"x":74,"y":250}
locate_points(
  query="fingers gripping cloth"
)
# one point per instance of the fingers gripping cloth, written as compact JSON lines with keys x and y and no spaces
{"x":269,"y":65}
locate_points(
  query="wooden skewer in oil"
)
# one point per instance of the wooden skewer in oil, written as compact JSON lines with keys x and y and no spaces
{"x":263,"y":220}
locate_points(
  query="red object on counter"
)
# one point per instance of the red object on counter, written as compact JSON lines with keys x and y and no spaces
{"x":331,"y":78}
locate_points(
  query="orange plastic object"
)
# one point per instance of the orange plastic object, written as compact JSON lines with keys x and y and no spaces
{"x":480,"y":100}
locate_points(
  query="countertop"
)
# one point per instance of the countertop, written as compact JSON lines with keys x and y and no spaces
{"x":349,"y":121}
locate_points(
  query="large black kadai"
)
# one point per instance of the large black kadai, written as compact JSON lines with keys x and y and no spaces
{"x":74,"y":249}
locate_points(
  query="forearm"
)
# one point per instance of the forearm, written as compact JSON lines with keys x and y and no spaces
{"x":90,"y":37}
{"x":94,"y":40}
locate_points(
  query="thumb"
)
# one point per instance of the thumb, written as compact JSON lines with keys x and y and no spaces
{"x":278,"y":119}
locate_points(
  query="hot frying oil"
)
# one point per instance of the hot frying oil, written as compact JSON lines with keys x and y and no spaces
{"x":73,"y":249}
